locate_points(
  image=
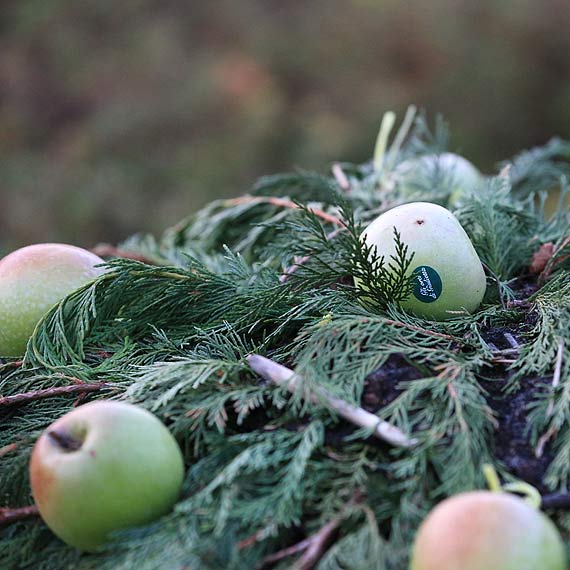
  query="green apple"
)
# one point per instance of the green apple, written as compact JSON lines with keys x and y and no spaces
{"x":483,"y":530}
{"x":449,"y":276}
{"x":32,"y":280}
{"x":102,"y":467}
{"x":455,"y":173}
{"x":552,"y":203}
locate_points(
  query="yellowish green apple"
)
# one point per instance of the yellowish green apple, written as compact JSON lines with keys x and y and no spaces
{"x":485,"y":530}
{"x":553,"y":203}
{"x":449,"y":277}
{"x":455,"y":174}
{"x":32,"y":280}
{"x":102,"y":467}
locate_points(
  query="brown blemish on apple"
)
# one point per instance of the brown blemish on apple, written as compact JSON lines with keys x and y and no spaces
{"x":42,"y":479}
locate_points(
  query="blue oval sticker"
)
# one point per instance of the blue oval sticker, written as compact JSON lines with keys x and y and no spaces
{"x":427,"y":284}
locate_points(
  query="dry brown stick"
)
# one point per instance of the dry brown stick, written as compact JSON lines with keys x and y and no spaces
{"x":422,"y":330}
{"x":285,"y":377}
{"x":302,"y":260}
{"x":14,"y":364}
{"x":340,"y":177}
{"x":108,"y":250}
{"x":8,"y":449}
{"x":8,"y":515}
{"x":251,"y":540}
{"x":497,"y":360}
{"x":285,"y":552}
{"x":556,"y":501}
{"x":284,"y":203}
{"x":52,"y":392}
{"x":313,"y":548}
{"x":318,"y":545}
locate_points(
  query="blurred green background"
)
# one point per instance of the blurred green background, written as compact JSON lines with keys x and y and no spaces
{"x":118,"y":117}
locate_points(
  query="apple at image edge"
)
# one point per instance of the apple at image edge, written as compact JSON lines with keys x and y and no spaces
{"x":102,"y":467}
{"x":32,"y":280}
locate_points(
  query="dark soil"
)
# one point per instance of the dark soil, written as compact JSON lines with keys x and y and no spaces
{"x":512,"y":444}
{"x":381,"y":386}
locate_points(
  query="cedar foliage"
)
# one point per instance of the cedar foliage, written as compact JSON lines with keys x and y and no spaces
{"x":266,"y":469}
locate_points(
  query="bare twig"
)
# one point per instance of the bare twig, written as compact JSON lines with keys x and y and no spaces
{"x":108,"y":250}
{"x":545,"y":438}
{"x":8,"y":515}
{"x":511,"y":340}
{"x":250,"y":540}
{"x":52,"y":392}
{"x":13,"y":364}
{"x":8,"y":449}
{"x":284,"y":203}
{"x":313,"y":548}
{"x":318,"y":544}
{"x":556,"y":501}
{"x":422,"y":330}
{"x":340,"y":177}
{"x":497,"y":360}
{"x":286,"y":552}
{"x":302,"y":260}
{"x":283,"y":376}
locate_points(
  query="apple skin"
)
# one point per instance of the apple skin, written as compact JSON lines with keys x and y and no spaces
{"x":32,"y":280}
{"x":481,"y":530}
{"x":442,"y":248}
{"x":552,"y":203}
{"x":459,"y":175}
{"x":102,"y":467}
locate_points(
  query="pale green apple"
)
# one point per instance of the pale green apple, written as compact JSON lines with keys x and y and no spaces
{"x":32,"y":280}
{"x":102,"y":467}
{"x":481,"y":530}
{"x":449,"y":275}
{"x":455,"y":174}
{"x":552,"y":203}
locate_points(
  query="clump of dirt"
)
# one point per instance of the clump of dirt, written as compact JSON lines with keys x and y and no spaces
{"x":512,"y":437}
{"x":512,"y":444}
{"x":381,"y":386}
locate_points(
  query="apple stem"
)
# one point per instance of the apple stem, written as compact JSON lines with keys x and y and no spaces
{"x":285,"y":377}
{"x":492,"y":478}
{"x":66,"y":441}
{"x":386,"y":127}
{"x":530,"y":493}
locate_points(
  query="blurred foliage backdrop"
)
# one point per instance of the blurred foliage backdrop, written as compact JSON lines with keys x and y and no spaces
{"x":118,"y":117}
